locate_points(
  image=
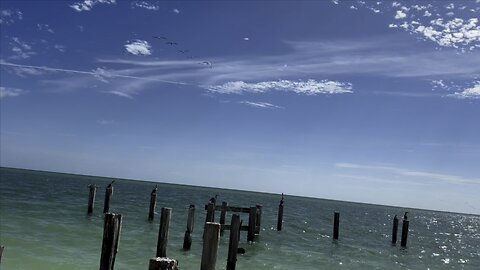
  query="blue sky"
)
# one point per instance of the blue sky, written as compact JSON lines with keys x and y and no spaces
{"x":363,"y":101}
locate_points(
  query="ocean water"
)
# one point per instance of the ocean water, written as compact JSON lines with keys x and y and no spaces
{"x":43,"y":224}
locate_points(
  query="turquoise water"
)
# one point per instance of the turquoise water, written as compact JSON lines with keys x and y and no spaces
{"x":43,"y":224}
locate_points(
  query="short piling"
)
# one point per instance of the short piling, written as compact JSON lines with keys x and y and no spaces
{"x":233,"y":242}
{"x":187,"y":240}
{"x":394,"y":230}
{"x":111,"y":235}
{"x":251,"y":223}
{"x":280,"y":215}
{"x":159,"y":263}
{"x":163,"y":232}
{"x":223,"y":216}
{"x":404,"y":233}
{"x":91,"y":198}
{"x":258,"y":219}
{"x":210,"y":246}
{"x":336,"y":225}
{"x":210,"y":213}
{"x":153,"y":204}
{"x":108,"y":197}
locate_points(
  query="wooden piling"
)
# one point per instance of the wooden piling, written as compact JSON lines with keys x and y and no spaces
{"x":2,"y":248}
{"x":187,"y":241}
{"x":210,"y":213}
{"x":251,"y":223}
{"x":404,"y":233}
{"x":336,"y":225}
{"x":91,"y":198}
{"x":153,"y":204}
{"x":233,"y":242}
{"x":394,"y":230}
{"x":258,"y":219}
{"x":280,"y":215}
{"x":223,"y":216}
{"x":210,"y":246}
{"x":108,"y":197}
{"x":159,"y":263}
{"x":111,"y":235}
{"x":163,"y":232}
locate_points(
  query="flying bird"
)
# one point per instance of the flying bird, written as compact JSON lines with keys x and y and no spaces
{"x":171,"y":43}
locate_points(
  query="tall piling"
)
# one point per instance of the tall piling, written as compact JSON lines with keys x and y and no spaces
{"x":187,"y":240}
{"x":404,"y":233}
{"x":111,"y":235}
{"x":210,"y":213}
{"x":251,"y":223}
{"x":210,"y":246}
{"x":233,"y":242}
{"x":258,"y":219}
{"x":394,"y":230}
{"x":153,"y":204}
{"x":223,"y":213}
{"x":108,"y":197}
{"x":280,"y":215}
{"x":336,"y":225}
{"x":2,"y":248}
{"x":163,"y":232}
{"x":91,"y":198}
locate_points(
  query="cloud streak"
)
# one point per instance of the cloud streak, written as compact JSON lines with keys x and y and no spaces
{"x":10,"y":92}
{"x":262,"y":105}
{"x":452,"y":179}
{"x":87,"y":5}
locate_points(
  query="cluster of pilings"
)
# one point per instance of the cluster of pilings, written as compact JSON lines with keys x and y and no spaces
{"x":211,"y":236}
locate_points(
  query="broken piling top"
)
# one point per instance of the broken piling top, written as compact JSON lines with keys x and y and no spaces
{"x":162,"y":263}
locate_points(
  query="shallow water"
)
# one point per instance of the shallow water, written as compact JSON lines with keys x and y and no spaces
{"x":43,"y":224}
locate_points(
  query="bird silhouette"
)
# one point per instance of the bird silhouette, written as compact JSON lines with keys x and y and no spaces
{"x":171,"y":43}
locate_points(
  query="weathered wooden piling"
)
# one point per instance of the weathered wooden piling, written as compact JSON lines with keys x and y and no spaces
{"x":258,"y":219}
{"x":163,"y":232}
{"x":280,"y":215}
{"x":187,"y":240}
{"x":336,"y":225}
{"x":394,"y":230}
{"x":404,"y":233}
{"x":108,"y":197}
{"x":91,"y":198}
{"x":153,"y":204}
{"x":210,"y":246}
{"x":159,"y":263}
{"x":111,"y":235}
{"x":233,"y":242}
{"x":1,"y":253}
{"x":210,"y":213}
{"x":251,"y":223}
{"x":223,"y":213}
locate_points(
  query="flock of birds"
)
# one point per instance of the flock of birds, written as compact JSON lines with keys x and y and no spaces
{"x":182,"y":51}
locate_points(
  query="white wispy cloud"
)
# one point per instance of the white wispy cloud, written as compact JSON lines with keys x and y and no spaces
{"x":138,"y":47}
{"x":263,"y":105}
{"x":106,"y":122}
{"x":10,"y":16}
{"x":20,"y":49}
{"x":87,"y":5}
{"x":453,"y":179}
{"x":27,"y":72}
{"x":10,"y":92}
{"x":145,"y":5}
{"x":469,"y":93}
{"x":120,"y":94}
{"x":309,"y":87}
{"x":176,"y":11}
{"x":45,"y":27}
{"x":59,"y":47}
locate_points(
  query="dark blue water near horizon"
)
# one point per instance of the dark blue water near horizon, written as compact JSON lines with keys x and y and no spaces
{"x":43,"y":224}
